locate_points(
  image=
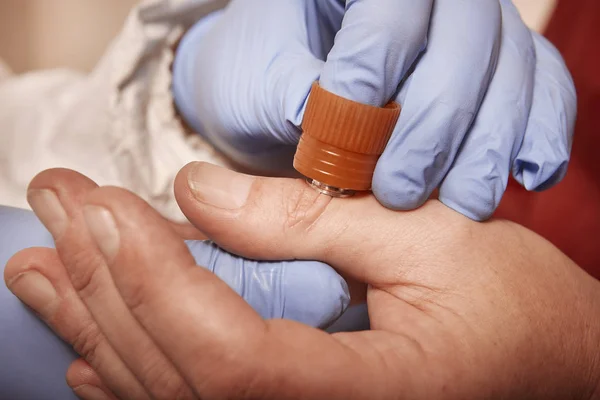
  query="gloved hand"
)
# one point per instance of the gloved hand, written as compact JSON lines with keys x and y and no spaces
{"x":34,"y":361}
{"x":481,"y":94}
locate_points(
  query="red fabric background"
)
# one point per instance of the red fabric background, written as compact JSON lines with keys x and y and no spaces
{"x":569,"y":214}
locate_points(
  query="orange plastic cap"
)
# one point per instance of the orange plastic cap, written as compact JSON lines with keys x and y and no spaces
{"x":342,"y":140}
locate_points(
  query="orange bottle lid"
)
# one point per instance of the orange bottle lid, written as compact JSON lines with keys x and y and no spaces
{"x":342,"y":141}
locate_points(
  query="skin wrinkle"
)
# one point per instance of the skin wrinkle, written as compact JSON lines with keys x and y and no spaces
{"x":306,"y":209}
{"x":87,"y":342}
{"x":416,"y":307}
{"x":419,"y":307}
{"x":88,"y":283}
{"x":422,"y":303}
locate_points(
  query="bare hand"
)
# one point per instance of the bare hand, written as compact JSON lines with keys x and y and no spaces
{"x":458,"y":309}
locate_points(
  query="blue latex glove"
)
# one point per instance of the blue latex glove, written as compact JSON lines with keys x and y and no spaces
{"x":33,"y":361}
{"x":481,"y":94}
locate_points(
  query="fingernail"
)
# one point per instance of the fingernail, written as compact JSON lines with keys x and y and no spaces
{"x":34,"y":290}
{"x":89,"y":392}
{"x":104,"y":230}
{"x":48,"y":209}
{"x":219,"y":187}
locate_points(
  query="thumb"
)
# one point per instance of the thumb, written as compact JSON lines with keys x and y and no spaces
{"x":285,"y":219}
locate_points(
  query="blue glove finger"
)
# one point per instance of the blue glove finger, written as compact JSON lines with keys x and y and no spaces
{"x":184,"y":70}
{"x":33,"y":361}
{"x":250,"y":113}
{"x":544,"y":156}
{"x":324,"y":20}
{"x":309,"y":292}
{"x":478,"y":178}
{"x":378,"y":42}
{"x":439,"y":101}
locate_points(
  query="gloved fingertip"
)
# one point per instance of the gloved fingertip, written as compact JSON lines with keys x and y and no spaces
{"x":397,"y":192}
{"x":473,"y":211}
{"x":315,"y":294}
{"x":539,"y":177}
{"x":544,"y":156}
{"x":473,"y":195}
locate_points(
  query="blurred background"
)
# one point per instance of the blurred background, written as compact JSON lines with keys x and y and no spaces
{"x":37,"y":34}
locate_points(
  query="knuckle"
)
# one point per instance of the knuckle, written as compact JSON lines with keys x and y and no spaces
{"x":135,"y":295}
{"x":87,"y":341}
{"x":83,"y":269}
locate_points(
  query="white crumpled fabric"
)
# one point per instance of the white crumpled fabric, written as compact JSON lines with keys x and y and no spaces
{"x":117,"y":125}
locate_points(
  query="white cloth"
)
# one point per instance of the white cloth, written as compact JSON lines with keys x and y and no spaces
{"x":117,"y":125}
